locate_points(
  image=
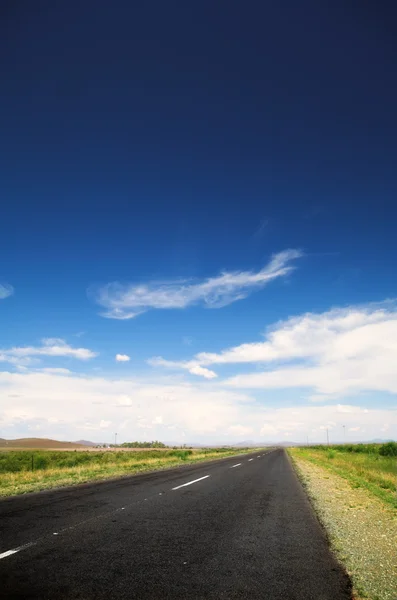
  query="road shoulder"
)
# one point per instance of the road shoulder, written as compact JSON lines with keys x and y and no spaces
{"x":361,"y":529}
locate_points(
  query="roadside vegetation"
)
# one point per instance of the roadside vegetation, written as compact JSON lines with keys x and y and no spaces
{"x":353,"y":490}
{"x":27,"y":471}
{"x":371,"y":466}
{"x":155,"y":444}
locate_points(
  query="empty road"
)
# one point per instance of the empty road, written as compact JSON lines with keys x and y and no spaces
{"x":240,"y":527}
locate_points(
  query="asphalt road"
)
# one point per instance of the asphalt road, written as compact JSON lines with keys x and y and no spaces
{"x":244,"y":529}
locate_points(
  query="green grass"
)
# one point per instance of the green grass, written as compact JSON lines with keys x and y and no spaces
{"x":27,"y":471}
{"x":364,"y":467}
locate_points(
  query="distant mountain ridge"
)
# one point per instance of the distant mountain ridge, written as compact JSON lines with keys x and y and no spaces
{"x":86,"y":443}
{"x":38,"y":443}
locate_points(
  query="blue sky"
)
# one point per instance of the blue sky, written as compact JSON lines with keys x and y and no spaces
{"x":209,"y":191}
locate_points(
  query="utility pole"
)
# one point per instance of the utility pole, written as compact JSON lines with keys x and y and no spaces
{"x":115,"y":439}
{"x":344,"y":434}
{"x":327,"y":437}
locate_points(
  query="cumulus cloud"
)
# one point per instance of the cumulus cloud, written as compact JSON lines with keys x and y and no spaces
{"x":122,"y":357}
{"x":339,"y":352}
{"x":54,"y":347}
{"x":65,"y":407}
{"x":128,"y":301}
{"x":5,"y":290}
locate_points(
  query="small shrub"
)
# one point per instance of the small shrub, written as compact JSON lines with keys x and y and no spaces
{"x":388,"y":449}
{"x":182,"y":454}
{"x":40,"y":462}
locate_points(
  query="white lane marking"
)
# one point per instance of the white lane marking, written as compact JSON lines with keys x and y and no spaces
{"x":238,"y":464}
{"x":258,"y":457}
{"x":190,"y":482}
{"x":8,"y":553}
{"x":15,"y":550}
{"x":249,"y":460}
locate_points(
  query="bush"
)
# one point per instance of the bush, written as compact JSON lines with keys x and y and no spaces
{"x":40,"y":462}
{"x":182,"y":454}
{"x":388,"y":449}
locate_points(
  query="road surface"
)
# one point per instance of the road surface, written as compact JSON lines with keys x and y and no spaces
{"x":240,"y":527}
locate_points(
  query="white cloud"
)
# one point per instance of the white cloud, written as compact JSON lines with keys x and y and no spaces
{"x":192,"y":366}
{"x":63,"y":407}
{"x":56,"y":371}
{"x":240,"y":430}
{"x":268,"y":429}
{"x":124,"y":400}
{"x":197,"y":370}
{"x":6,"y":290}
{"x":122,"y":357}
{"x":128,"y":301}
{"x":333,"y":354}
{"x":54,"y":347}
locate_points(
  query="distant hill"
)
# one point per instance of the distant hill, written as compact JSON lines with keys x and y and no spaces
{"x":86,"y":443}
{"x":37,"y":443}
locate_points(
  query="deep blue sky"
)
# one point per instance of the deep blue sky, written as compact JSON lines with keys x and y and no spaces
{"x":166,"y":140}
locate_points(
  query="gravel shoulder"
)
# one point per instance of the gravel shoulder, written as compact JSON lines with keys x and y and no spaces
{"x":362,"y":530}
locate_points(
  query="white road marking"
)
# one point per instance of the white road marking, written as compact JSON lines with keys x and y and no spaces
{"x":249,"y":460}
{"x":258,"y":457}
{"x":190,"y":482}
{"x":15,"y":550}
{"x":238,"y":464}
{"x":8,"y":553}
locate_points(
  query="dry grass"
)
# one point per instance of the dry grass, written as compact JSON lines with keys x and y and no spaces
{"x":115,"y":465}
{"x":378,"y":474}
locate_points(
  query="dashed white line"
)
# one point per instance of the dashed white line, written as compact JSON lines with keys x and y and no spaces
{"x":15,"y":550}
{"x":190,"y":482}
{"x":8,"y":553}
{"x":249,"y":460}
{"x":238,"y":464}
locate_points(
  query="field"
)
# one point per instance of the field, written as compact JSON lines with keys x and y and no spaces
{"x":24,"y":471}
{"x":362,"y":464}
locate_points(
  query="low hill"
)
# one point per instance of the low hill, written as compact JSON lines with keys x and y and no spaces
{"x":85,"y":443}
{"x":33,"y":443}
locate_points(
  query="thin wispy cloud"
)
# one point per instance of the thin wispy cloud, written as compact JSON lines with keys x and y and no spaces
{"x":128,"y":301}
{"x":6,"y":290}
{"x":53,"y":347}
{"x":261,"y":229}
{"x":192,"y":366}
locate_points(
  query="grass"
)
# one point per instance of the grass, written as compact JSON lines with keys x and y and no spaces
{"x":363,"y":467}
{"x":28,"y":471}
